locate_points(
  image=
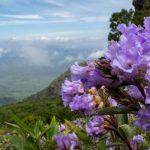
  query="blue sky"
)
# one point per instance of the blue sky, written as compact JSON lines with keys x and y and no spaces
{"x":50,"y":18}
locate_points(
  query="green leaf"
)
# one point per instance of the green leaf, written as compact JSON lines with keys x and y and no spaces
{"x":12,"y":125}
{"x":80,"y":132}
{"x":125,"y":131}
{"x":53,"y":128}
{"x":73,"y":126}
{"x":123,"y":119}
{"x":113,"y":110}
{"x":22,"y":125}
{"x":53,"y":122}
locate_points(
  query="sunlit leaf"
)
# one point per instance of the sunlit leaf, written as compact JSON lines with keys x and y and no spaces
{"x":125,"y":131}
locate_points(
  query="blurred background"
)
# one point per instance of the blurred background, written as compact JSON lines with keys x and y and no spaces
{"x":40,"y":39}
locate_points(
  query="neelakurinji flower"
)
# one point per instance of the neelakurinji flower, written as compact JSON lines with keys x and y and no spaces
{"x":126,"y":67}
{"x":61,"y":128}
{"x":147,"y":24}
{"x":131,"y":53}
{"x":82,"y":102}
{"x":137,"y":139}
{"x":87,"y":102}
{"x":66,"y":142}
{"x":143,"y":119}
{"x":144,"y":37}
{"x":148,"y":75}
{"x":125,"y":58}
{"x":126,"y":30}
{"x":89,"y":75}
{"x":95,"y":126}
{"x":113,"y":102}
{"x":134,"y":92}
{"x":70,"y":89}
{"x":147,"y":93}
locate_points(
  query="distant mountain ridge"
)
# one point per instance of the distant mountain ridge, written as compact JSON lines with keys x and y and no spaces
{"x":44,"y":104}
{"x":7,"y":100}
{"x":52,"y":91}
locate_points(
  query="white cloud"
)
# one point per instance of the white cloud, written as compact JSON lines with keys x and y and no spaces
{"x":3,"y":51}
{"x":31,"y":16}
{"x":95,"y":19}
{"x":54,"y":2}
{"x":16,"y":22}
{"x":44,"y":38}
{"x":35,"y":56}
{"x":61,"y":38}
{"x":63,"y":14}
{"x":96,"y":54}
{"x":69,"y":59}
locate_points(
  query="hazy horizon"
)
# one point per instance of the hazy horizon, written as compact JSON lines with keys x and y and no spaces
{"x":40,"y":39}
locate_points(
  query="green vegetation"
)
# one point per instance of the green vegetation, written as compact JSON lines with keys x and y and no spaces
{"x":25,"y":137}
{"x":142,"y":9}
{"x":42,"y":105}
{"x":31,"y":111}
{"x":119,"y":17}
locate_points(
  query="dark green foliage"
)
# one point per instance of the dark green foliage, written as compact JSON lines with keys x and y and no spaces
{"x":31,"y":111}
{"x":138,"y":4}
{"x":142,"y":9}
{"x":141,"y":4}
{"x":139,"y":16}
{"x":119,"y":17}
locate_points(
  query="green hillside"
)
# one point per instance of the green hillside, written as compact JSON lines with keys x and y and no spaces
{"x":52,"y":90}
{"x":44,"y":105}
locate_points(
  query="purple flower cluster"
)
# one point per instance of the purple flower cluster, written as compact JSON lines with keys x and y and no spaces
{"x":66,"y":142}
{"x":143,"y":119}
{"x":70,"y":89}
{"x":89,"y":75}
{"x":76,"y":97}
{"x":126,"y":67}
{"x":83,"y":102}
{"x":137,"y":139}
{"x":128,"y":56}
{"x":95,"y":126}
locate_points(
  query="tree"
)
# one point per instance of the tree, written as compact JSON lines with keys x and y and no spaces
{"x":119,"y":17}
{"x":142,"y":9}
{"x":141,"y":5}
{"x":138,"y":4}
